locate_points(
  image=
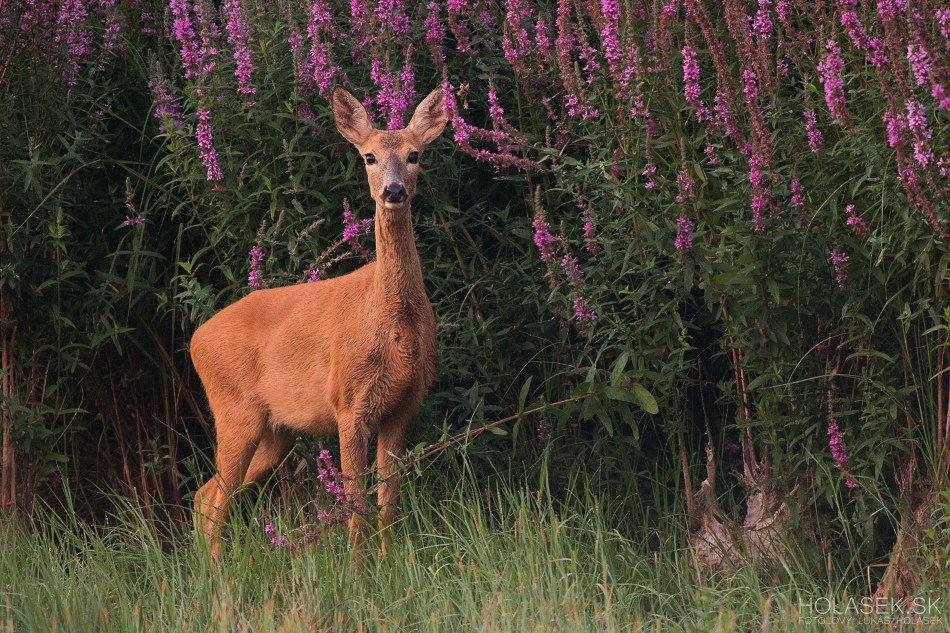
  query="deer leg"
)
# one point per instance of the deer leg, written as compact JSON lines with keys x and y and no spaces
{"x":390,"y":446}
{"x":273,"y":447}
{"x":238,"y":436}
{"x":354,"y":440}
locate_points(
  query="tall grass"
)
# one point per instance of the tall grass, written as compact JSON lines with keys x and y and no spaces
{"x":488,"y":555}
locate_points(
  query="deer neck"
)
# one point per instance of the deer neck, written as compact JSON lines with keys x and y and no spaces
{"x":398,"y":280}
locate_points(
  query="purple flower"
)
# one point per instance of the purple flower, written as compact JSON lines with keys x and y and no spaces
{"x":830,"y":69}
{"x":686,"y":184}
{"x":543,"y":239}
{"x":133,"y":220}
{"x":761,"y":198}
{"x":691,"y":83}
{"x":166,"y":109}
{"x":873,"y":47}
{"x":209,"y":155}
{"x":762,"y":24}
{"x":353,"y":228}
{"x":582,"y":311}
{"x":684,"y":234}
{"x":72,"y":30}
{"x":839,"y":450}
{"x":896,"y":125}
{"x":435,"y":31}
{"x":919,"y":63}
{"x":724,"y":118}
{"x":815,"y":139}
{"x":798,"y":194}
{"x":590,"y":235}
{"x":254,"y":277}
{"x":858,"y":226}
{"x":648,"y":171}
{"x":840,"y":262}
{"x":239,"y":38}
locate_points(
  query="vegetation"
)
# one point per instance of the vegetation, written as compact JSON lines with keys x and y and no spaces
{"x":696,"y":251}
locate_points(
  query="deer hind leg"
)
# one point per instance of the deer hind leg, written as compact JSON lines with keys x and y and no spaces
{"x":390,"y":446}
{"x":273,"y":447}
{"x":239,"y":430}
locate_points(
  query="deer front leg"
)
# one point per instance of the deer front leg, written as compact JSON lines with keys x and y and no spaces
{"x":354,"y":440}
{"x":390,"y":447}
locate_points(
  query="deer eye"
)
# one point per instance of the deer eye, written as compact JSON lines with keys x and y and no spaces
{"x":413,"y":158}
{"x":370,"y":159}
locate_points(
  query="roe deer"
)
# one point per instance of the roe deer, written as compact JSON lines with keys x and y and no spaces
{"x":352,"y":355}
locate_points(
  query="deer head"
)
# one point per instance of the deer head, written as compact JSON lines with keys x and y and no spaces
{"x":391,"y":156}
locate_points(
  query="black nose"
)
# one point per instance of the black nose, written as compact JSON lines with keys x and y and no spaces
{"x":394,"y":193}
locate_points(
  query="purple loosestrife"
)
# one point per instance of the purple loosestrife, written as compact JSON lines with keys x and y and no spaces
{"x":575,"y":101}
{"x":582,"y":311}
{"x":896,"y":126}
{"x":798,"y":195}
{"x":319,"y":71}
{"x":762,"y":23}
{"x":648,"y":172}
{"x":917,"y":125}
{"x":839,"y":261}
{"x":395,"y":93}
{"x":329,"y":475}
{"x":761,"y":199}
{"x":686,"y":184}
{"x":515,"y":42}
{"x":857,"y":224}
{"x":684,"y":235}
{"x":391,"y":16}
{"x":691,"y":83}
{"x":254,"y":276}
{"x":72,"y":31}
{"x":839,"y":450}
{"x":830,"y":69}
{"x":543,"y":239}
{"x":166,"y":109}
{"x":590,"y":235}
{"x":919,"y":63}
{"x":435,"y":32}
{"x":815,"y":140}
{"x":209,"y":155}
{"x":239,"y":38}
{"x":275,"y":539}
{"x":353,"y":228}
{"x":460,"y":29}
{"x":610,"y":39}
{"x":872,"y":47}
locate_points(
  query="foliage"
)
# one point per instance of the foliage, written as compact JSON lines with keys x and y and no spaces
{"x":701,"y":224}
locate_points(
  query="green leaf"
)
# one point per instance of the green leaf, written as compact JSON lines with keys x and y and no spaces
{"x":634,"y":394}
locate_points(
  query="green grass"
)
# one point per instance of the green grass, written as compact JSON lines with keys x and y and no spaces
{"x":489,"y":557}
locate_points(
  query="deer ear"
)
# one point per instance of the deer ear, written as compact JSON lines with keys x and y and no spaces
{"x":428,"y":120}
{"x":350,"y":117}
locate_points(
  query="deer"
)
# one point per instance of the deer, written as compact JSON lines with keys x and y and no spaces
{"x":352,"y":355}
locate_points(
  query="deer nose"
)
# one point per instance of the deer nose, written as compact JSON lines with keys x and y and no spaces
{"x":394,"y":192}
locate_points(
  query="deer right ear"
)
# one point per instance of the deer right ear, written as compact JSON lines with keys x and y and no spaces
{"x":350,"y":117}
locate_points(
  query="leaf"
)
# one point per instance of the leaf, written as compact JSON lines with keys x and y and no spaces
{"x":634,"y":393}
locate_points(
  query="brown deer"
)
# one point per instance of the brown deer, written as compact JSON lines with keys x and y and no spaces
{"x":353,"y":355}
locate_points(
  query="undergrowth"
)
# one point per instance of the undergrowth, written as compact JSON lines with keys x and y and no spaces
{"x":492,"y":554}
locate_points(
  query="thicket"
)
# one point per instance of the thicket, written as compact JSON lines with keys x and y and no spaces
{"x":714,"y":233}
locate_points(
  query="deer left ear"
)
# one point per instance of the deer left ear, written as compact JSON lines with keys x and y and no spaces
{"x":428,"y":120}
